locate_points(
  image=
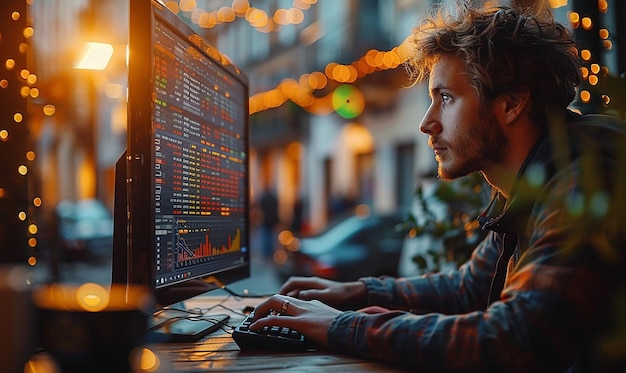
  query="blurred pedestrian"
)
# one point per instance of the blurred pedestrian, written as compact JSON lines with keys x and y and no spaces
{"x":269,"y":208}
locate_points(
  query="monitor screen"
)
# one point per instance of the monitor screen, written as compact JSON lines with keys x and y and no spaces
{"x":182,"y":187}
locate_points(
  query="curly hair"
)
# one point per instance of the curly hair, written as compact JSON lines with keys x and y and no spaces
{"x":505,"y":50}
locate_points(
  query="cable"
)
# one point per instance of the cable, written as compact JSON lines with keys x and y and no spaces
{"x":205,"y":311}
{"x":245,"y":293}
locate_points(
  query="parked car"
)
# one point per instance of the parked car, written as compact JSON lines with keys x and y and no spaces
{"x":85,"y":227}
{"x":359,"y":245}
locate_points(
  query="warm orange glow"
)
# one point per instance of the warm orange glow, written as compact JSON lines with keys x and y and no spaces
{"x":294,"y":150}
{"x":96,"y":56}
{"x":557,"y":3}
{"x":49,"y":110}
{"x":329,"y":69}
{"x":584,"y":72}
{"x":585,"y":96}
{"x":574,"y":19}
{"x":86,"y":180}
{"x":360,"y":140}
{"x":37,"y":202}
{"x":340,"y":73}
{"x":585,"y":54}
{"x":388,"y":60}
{"x":241,"y":6}
{"x":593,"y":79}
{"x":225,"y":15}
{"x":280,"y":257}
{"x":286,"y":238}
{"x":372,"y":61}
{"x":604,"y":33}
{"x":92,"y":297}
{"x":595,"y":68}
{"x":207,"y":20}
{"x":33,"y":229}
{"x":196,"y":15}
{"x":280,"y":17}
{"x":295,"y":16}
{"x":9,"y":64}
{"x":149,"y":361}
{"x":28,"y":32}
{"x":187,"y":5}
{"x":257,"y":18}
{"x":603,"y":6}
{"x":22,"y":170}
{"x":370,"y":57}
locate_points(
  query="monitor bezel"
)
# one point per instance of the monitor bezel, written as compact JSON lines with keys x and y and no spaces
{"x":139,"y":158}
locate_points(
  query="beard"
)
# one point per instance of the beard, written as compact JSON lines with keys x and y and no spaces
{"x":473,"y":148}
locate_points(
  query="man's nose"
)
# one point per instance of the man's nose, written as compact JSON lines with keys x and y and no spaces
{"x":430,"y":124}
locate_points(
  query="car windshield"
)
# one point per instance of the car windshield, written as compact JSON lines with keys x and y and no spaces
{"x":335,"y":234}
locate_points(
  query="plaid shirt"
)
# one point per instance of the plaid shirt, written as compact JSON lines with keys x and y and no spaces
{"x":529,"y":297}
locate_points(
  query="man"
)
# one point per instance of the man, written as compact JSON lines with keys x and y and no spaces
{"x":533,"y":293}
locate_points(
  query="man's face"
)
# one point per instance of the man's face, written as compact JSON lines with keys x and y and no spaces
{"x":463,"y":133}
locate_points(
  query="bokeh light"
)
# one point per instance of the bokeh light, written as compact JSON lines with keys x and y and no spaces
{"x":348,"y":101}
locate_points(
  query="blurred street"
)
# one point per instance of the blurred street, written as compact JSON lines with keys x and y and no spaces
{"x":263,"y":278}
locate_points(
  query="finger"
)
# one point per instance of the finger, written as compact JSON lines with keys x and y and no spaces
{"x":264,"y":309}
{"x":312,"y":294}
{"x":299,"y":283}
{"x":273,"y":321}
{"x":292,"y":284}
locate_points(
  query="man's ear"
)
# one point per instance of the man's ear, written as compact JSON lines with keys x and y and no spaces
{"x":508,"y":107}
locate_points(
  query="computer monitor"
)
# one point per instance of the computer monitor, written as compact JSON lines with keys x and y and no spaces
{"x":182,"y":186}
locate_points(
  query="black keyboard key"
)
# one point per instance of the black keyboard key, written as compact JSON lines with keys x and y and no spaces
{"x":269,"y":338}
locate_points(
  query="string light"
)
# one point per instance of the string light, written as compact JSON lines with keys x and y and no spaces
{"x":593,"y":73}
{"x":17,"y":86}
{"x":301,"y":91}
{"x":257,"y":18}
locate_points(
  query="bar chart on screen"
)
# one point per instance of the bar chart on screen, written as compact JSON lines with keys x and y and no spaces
{"x":205,"y":243}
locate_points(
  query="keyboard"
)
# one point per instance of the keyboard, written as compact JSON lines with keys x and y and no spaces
{"x":269,"y":338}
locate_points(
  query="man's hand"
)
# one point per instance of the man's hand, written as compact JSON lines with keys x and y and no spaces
{"x":311,"y":318}
{"x":333,"y":293}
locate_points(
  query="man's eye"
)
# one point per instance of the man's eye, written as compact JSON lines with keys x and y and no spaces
{"x":445,"y":98}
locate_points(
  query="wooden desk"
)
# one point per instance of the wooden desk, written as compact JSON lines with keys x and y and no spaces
{"x":218,"y":352}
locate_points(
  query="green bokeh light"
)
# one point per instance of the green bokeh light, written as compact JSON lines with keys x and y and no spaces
{"x":348,"y":101}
